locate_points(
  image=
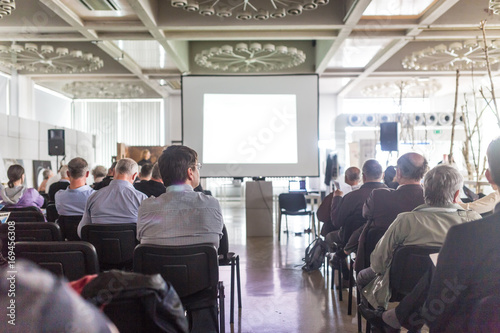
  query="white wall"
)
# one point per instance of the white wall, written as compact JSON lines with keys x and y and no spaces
{"x":52,"y":108}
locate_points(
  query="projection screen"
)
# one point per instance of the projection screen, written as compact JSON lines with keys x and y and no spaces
{"x":252,"y":126}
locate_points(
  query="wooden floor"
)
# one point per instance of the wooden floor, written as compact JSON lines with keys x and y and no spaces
{"x":277,"y":295}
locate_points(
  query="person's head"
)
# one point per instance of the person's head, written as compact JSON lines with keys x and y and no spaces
{"x":78,"y":168}
{"x":146,"y":171}
{"x":47,"y":173}
{"x":15,"y":173}
{"x":111,"y":170}
{"x":352,"y":176}
{"x":411,"y":167}
{"x":99,"y":172}
{"x":156,"y":175}
{"x":178,"y":165}
{"x":389,"y":175}
{"x":372,"y":171}
{"x":442,"y":185}
{"x":493,"y":154}
{"x":64,"y":172}
{"x":145,"y":154}
{"x":126,"y":169}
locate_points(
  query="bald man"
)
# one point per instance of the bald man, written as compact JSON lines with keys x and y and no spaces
{"x":383,"y":205}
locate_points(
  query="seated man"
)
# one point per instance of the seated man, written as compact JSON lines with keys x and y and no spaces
{"x":460,"y":280}
{"x":72,"y":201}
{"x":328,"y":208}
{"x":384,"y":205}
{"x":426,"y":225}
{"x":62,"y":184}
{"x":106,"y":180}
{"x":153,"y":186}
{"x":116,"y":203}
{"x":144,"y":173}
{"x":98,"y":173}
{"x":349,"y":216}
{"x":181,"y":216}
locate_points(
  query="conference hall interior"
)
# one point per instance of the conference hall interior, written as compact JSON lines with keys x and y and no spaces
{"x":278,"y":98}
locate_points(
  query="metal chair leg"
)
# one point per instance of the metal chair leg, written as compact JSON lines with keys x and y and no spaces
{"x":238,"y":282}
{"x":340,"y":283}
{"x":222,"y":324}
{"x":231,"y":315}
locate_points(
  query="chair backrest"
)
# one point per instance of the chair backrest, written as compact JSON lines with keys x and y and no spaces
{"x":114,"y":243}
{"x":52,"y":213}
{"x":25,"y":214}
{"x":72,"y":260}
{"x":190,"y":269}
{"x":69,"y":226}
{"x":373,"y":235}
{"x":292,"y":202}
{"x":223,"y":243}
{"x":408,"y":265}
{"x":30,"y":231}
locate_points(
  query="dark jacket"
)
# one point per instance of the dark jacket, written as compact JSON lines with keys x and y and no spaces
{"x":60,"y":185}
{"x":150,"y":188}
{"x":349,"y":216}
{"x":381,"y":209}
{"x":467,"y":271}
{"x":327,"y":210}
{"x":103,"y":183}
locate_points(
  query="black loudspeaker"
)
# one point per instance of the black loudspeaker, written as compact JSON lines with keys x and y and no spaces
{"x":56,"y":142}
{"x":389,"y":136}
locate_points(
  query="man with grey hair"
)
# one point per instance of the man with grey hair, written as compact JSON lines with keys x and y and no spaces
{"x":426,"y":225}
{"x":118,"y":202}
{"x":72,"y":200}
{"x":62,"y":184}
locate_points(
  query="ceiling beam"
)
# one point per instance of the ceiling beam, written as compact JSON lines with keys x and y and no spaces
{"x":213,"y":35}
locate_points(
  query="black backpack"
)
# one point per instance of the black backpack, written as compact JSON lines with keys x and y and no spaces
{"x":315,"y":255}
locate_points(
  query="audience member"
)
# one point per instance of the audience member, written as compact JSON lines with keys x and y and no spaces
{"x":328,"y":208}
{"x":154,"y":186}
{"x":72,"y":200}
{"x":349,"y":216}
{"x":426,"y":225}
{"x":460,"y":281}
{"x":106,"y":180}
{"x":47,"y":174}
{"x":144,"y":173}
{"x":384,"y":205}
{"x":116,"y":203}
{"x":45,"y":303}
{"x":485,"y":204}
{"x":16,"y":195}
{"x":54,"y":179}
{"x":62,"y":184}
{"x":390,"y":177}
{"x":180,"y":216}
{"x":145,"y":157}
{"x":98,"y":173}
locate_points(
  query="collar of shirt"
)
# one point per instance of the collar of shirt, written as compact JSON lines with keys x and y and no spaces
{"x":179,"y":188}
{"x":448,"y":208}
{"x":120,"y":183}
{"x":81,"y":188}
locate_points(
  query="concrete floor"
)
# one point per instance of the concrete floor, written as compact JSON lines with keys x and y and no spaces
{"x":277,"y":296}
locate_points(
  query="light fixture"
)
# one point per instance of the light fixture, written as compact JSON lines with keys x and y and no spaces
{"x":6,"y":7}
{"x":249,"y":59}
{"x":457,"y":55}
{"x":107,"y":89}
{"x":246,"y":10}
{"x":403,"y":88}
{"x":47,"y":59}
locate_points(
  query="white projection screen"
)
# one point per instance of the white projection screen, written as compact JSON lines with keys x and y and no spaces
{"x":252,"y":126}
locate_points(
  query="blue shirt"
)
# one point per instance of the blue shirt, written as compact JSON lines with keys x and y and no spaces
{"x":72,"y":202}
{"x":116,"y":203}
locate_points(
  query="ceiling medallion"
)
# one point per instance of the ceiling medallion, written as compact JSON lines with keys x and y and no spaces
{"x":245,"y":10}
{"x":256,"y":58}
{"x":405,"y":89}
{"x":46,"y":59}
{"x":495,"y":6}
{"x":6,"y":7}
{"x":92,"y":89}
{"x":457,"y":55}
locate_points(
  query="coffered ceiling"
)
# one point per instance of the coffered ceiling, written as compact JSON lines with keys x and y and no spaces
{"x":151,"y":43}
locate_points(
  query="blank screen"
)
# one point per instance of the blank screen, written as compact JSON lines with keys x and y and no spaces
{"x":252,"y":125}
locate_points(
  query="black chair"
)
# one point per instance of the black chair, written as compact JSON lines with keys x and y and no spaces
{"x":26,"y":214}
{"x":193,"y":270}
{"x":227,"y":258}
{"x":29,"y":232}
{"x":293,"y":204}
{"x":52,"y":214}
{"x":408,"y":265}
{"x":69,"y":226}
{"x":72,"y":260}
{"x":114,"y":243}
